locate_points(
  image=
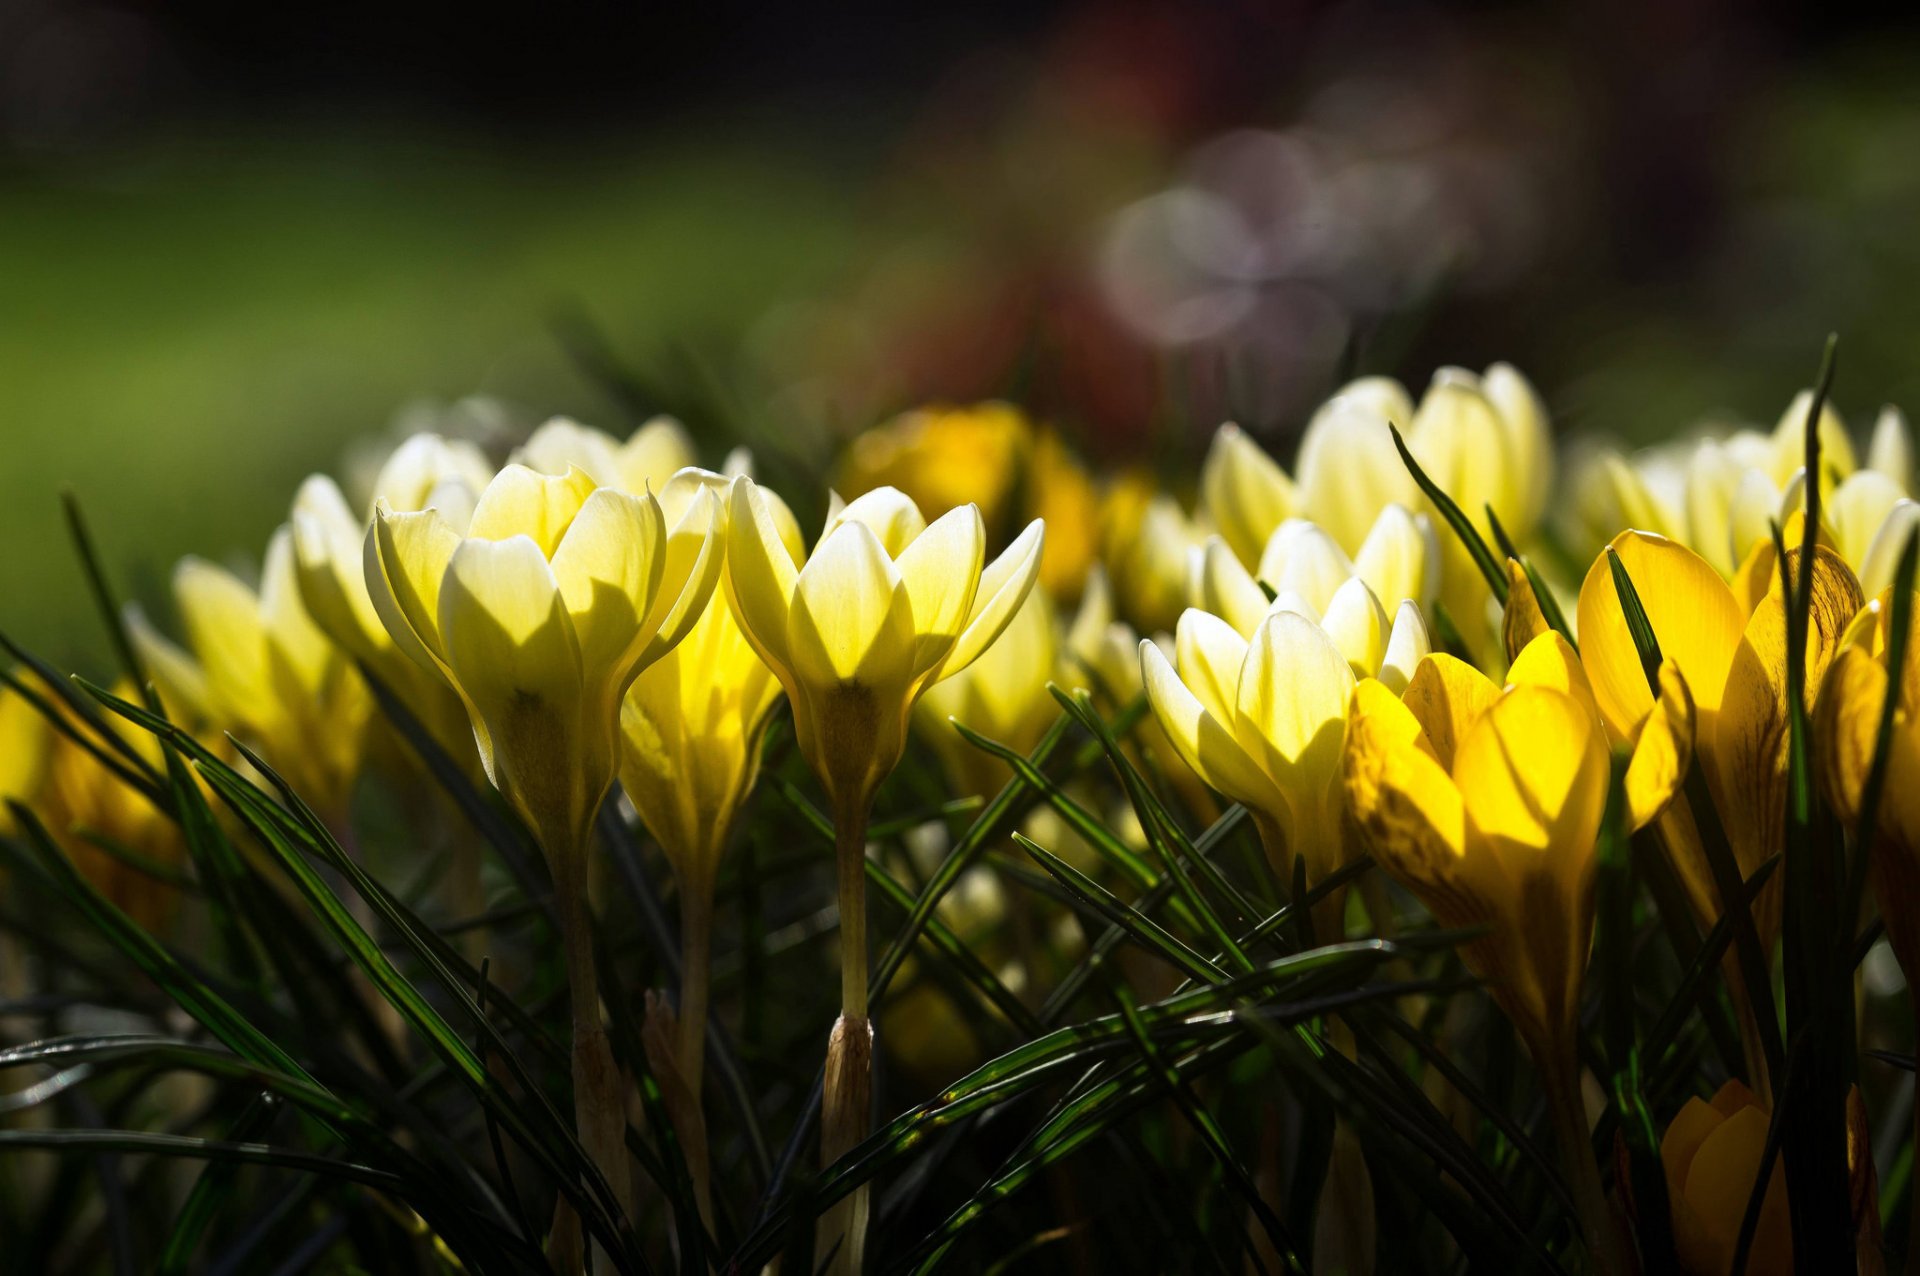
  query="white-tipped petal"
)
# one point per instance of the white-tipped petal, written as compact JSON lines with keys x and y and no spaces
{"x":1407,"y":645}
{"x":1357,"y":623}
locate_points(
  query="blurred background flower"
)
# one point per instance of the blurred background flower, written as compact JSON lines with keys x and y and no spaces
{"x":237,"y":242}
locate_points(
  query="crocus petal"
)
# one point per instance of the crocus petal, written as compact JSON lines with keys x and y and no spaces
{"x":1664,"y":752}
{"x":1407,"y":646}
{"x":510,"y":647}
{"x":851,"y":620}
{"x":427,"y":470}
{"x":888,"y":512}
{"x":1891,"y":450}
{"x":1292,"y":703}
{"x":560,"y":444}
{"x":1219,"y":584}
{"x":1357,"y":623}
{"x":1446,"y":696}
{"x":1549,"y":661}
{"x":1301,"y":558}
{"x":1522,"y":621}
{"x":1711,"y":480}
{"x":1404,"y":802}
{"x":332,"y":576}
{"x":224,"y":629}
{"x":181,"y":681}
{"x":1210,"y":654}
{"x":1400,"y":558}
{"x":1204,"y":742}
{"x":1348,"y":468}
{"x":653,"y":454}
{"x":1003,"y":587}
{"x":1858,"y":510}
{"x":1882,"y":558}
{"x":1533,"y":771}
{"x":1529,"y":441}
{"x":761,"y":573}
{"x":941,"y":570}
{"x":608,"y":567}
{"x":1245,"y":492}
{"x":520,"y":502}
{"x":1695,"y":619}
{"x":691,"y":567}
{"x":1790,"y":439}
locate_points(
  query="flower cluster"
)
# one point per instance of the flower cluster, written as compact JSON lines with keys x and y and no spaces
{"x":1392,"y":655}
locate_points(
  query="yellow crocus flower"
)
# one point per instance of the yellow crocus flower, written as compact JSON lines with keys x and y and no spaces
{"x":887,"y":605}
{"x":540,"y":613}
{"x":1262,"y":720}
{"x":1003,"y":695}
{"x":1244,"y":492}
{"x":24,"y":741}
{"x":1711,"y":1153}
{"x":943,"y":458}
{"x":255,"y":664}
{"x":329,"y":547}
{"x":1309,"y":574}
{"x":1145,"y":540}
{"x":651,"y":455}
{"x":1486,"y":803}
{"x":1061,"y":494}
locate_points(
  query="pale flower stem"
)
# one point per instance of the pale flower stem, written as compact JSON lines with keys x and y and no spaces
{"x":1559,"y":1064}
{"x":599,"y":1111}
{"x":696,"y":966}
{"x":847,"y":1088}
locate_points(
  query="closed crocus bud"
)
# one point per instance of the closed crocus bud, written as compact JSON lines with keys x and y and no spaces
{"x":1145,"y":541}
{"x":1003,"y":695}
{"x":1790,"y":441}
{"x":1244,"y":492}
{"x":1711,"y":1153}
{"x":651,"y":455}
{"x":329,"y":538}
{"x":255,"y":664}
{"x":1262,"y":721}
{"x":1348,"y":468}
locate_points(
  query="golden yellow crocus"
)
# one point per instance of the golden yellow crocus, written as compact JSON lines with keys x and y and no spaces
{"x":1061,"y":494}
{"x":1486,"y":803}
{"x":887,"y":605}
{"x":944,"y":457}
{"x":256,"y":665}
{"x":329,"y":539}
{"x":1711,"y":1154}
{"x":1145,"y":540}
{"x":540,"y":613}
{"x":650,"y":456}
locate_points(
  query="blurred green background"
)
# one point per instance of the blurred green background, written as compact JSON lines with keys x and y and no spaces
{"x":232,"y":248}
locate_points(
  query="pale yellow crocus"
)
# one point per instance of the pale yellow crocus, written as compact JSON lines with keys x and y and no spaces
{"x":329,"y":539}
{"x":1486,"y":803}
{"x":1145,"y":540}
{"x":540,"y":614}
{"x":256,"y":665}
{"x":886,"y":606}
{"x":651,"y":455}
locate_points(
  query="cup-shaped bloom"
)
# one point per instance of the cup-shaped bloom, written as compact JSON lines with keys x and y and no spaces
{"x":425,"y":472}
{"x":1145,"y":540}
{"x":1003,"y":695}
{"x":1486,"y":802}
{"x":1733,"y":654}
{"x":1305,"y":572}
{"x":1711,"y":1154}
{"x":1852,"y":699}
{"x":540,"y":616}
{"x":693,"y":721}
{"x":256,"y":665}
{"x":652,"y":454}
{"x":1262,"y":720}
{"x":887,"y":605}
